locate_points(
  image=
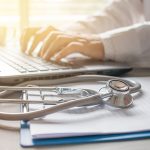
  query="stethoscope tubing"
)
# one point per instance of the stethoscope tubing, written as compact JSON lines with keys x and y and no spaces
{"x":40,"y":113}
{"x":52,"y":82}
{"x":134,"y":87}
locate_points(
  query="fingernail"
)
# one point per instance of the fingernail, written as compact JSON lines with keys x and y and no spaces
{"x":45,"y":57}
{"x":58,"y":58}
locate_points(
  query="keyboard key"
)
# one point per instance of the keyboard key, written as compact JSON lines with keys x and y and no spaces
{"x":24,"y":63}
{"x":41,"y":68}
{"x":50,"y":67}
{"x":31,"y":69}
{"x":22,"y":70}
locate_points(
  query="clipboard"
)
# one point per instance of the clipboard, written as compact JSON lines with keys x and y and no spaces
{"x":27,"y":141}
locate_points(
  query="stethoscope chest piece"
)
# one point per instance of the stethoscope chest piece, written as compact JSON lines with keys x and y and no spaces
{"x":116,"y":93}
{"x":118,"y":85}
{"x":120,"y":100}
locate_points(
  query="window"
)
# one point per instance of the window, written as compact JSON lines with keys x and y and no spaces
{"x":17,"y":14}
{"x":56,"y":12}
{"x":9,"y":15}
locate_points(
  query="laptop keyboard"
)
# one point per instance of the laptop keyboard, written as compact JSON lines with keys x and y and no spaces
{"x":25,"y":64}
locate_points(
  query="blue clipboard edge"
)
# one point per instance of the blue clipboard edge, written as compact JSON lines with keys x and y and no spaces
{"x":27,"y":141}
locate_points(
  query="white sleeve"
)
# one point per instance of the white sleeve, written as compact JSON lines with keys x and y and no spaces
{"x":118,"y":13}
{"x":129,"y":44}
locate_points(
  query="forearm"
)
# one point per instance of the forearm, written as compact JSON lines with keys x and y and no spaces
{"x":129,"y":44}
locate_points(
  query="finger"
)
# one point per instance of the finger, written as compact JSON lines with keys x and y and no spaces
{"x":56,"y":42}
{"x":71,"y":48}
{"x":48,"y":42}
{"x":58,"y":45}
{"x":33,"y":44}
{"x":26,"y":36}
{"x":39,"y":37}
{"x":92,"y":49}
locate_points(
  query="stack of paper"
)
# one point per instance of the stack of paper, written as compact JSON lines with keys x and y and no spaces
{"x":97,"y":119}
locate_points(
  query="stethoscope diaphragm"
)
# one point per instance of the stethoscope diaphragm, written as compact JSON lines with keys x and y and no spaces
{"x":116,"y":93}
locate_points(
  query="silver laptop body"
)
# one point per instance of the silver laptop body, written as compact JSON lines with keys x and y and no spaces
{"x":16,"y":67}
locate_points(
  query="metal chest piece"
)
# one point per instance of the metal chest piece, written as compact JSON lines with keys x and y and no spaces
{"x":118,"y":92}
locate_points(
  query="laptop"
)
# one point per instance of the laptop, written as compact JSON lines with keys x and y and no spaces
{"x":17,"y":67}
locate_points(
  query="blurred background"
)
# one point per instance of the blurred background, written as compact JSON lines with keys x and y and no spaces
{"x":18,"y":14}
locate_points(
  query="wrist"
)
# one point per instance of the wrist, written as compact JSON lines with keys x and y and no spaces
{"x":97,"y":50}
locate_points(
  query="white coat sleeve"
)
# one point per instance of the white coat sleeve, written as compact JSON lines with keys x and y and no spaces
{"x":129,"y":44}
{"x":118,"y":13}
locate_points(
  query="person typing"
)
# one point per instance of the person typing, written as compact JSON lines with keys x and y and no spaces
{"x":120,"y":32}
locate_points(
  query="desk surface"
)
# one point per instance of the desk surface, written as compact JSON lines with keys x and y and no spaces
{"x":10,"y":139}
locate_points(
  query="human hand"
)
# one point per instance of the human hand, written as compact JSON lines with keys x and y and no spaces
{"x":36,"y":34}
{"x":59,"y":44}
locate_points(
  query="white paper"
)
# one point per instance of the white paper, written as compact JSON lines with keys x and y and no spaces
{"x":97,"y":120}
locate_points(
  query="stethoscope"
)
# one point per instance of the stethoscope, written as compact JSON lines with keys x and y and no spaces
{"x":116,"y":92}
